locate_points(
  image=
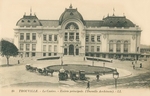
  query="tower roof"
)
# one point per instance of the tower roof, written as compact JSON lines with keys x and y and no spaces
{"x":28,"y":21}
{"x":70,"y":13}
{"x":117,"y":21}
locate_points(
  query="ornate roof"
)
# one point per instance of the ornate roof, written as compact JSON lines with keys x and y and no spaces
{"x":93,"y":23}
{"x":29,"y":21}
{"x":117,"y":21}
{"x":49,"y":23}
{"x":70,"y":13}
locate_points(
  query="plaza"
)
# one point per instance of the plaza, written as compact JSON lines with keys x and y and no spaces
{"x":21,"y":78}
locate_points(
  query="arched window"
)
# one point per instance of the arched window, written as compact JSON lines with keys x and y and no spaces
{"x":111,"y":46}
{"x":125,"y":46}
{"x":72,"y":26}
{"x":118,"y":46}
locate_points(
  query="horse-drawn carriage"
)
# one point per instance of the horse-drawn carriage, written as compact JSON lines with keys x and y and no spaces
{"x":77,"y":75}
{"x":45,"y":71}
{"x":63,"y":75}
{"x":73,"y":75}
{"x":82,"y":75}
{"x":41,"y":70}
{"x":30,"y":68}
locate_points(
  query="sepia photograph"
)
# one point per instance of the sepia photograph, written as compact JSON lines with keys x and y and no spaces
{"x":74,"y":47}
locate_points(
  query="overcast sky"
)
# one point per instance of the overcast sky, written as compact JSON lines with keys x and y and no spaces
{"x":138,"y":11}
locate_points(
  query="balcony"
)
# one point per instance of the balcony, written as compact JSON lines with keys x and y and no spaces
{"x":28,"y":41}
{"x":50,"y":41}
{"x":74,"y":41}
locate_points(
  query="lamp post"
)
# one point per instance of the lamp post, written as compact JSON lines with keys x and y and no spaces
{"x":104,"y":67}
{"x":93,"y":62}
{"x":61,"y":61}
{"x":115,"y":76}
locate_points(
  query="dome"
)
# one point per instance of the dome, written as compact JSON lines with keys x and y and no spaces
{"x":70,"y":13}
{"x":117,"y":21}
{"x":29,"y":21}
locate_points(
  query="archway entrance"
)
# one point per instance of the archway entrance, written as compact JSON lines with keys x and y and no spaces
{"x":71,"y":50}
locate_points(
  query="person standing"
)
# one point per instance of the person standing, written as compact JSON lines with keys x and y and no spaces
{"x":97,"y":76}
{"x":133,"y":66}
{"x":88,"y":84}
{"x":132,"y":62}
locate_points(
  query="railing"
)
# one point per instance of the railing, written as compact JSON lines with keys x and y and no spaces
{"x":28,"y":41}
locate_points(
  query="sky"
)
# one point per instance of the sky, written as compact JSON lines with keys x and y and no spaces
{"x":135,"y":10}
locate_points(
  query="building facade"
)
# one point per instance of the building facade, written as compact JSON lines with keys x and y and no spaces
{"x":111,"y":37}
{"x":145,"y":51}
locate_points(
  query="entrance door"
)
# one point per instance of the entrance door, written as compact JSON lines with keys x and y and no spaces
{"x":71,"y":50}
{"x":77,"y":51}
{"x":65,"y":51}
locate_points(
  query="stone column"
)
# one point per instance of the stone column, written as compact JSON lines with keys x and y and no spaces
{"x":68,"y":50}
{"x":74,"y":50}
{"x":68,"y":36}
{"x":122,"y":43}
{"x":114,"y":47}
{"x":74,"y":37}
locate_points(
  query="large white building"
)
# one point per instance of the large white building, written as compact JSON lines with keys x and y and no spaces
{"x":113,"y":36}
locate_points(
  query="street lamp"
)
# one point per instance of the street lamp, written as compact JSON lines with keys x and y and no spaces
{"x":93,"y":62}
{"x":104,"y":68}
{"x":61,"y":61}
{"x":115,"y":76}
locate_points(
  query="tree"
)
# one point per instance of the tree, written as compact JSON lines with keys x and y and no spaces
{"x":8,"y":49}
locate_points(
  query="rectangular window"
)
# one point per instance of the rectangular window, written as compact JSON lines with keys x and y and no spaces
{"x":21,"y":47}
{"x":44,"y":47}
{"x":71,"y":36}
{"x":44,"y":38}
{"x":49,"y":54}
{"x":27,"y":36}
{"x":92,"y":48}
{"x":33,"y":54}
{"x":50,"y":37}
{"x":55,"y":54}
{"x":33,"y":36}
{"x":50,"y":48}
{"x":77,"y":36}
{"x":98,"y":48}
{"x":21,"y":36}
{"x":27,"y":47}
{"x":66,"y":36}
{"x":33,"y":47}
{"x":92,"y":38}
{"x":44,"y":54}
{"x":55,"y":37}
{"x":87,"y":38}
{"x":87,"y":48}
{"x":98,"y":39}
{"x":55,"y":48}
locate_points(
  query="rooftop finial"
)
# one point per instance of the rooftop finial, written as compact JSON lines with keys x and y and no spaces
{"x":113,"y":11}
{"x":31,"y":11}
{"x":70,"y":6}
{"x":123,"y":14}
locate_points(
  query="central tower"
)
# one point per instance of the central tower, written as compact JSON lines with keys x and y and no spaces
{"x":72,"y":32}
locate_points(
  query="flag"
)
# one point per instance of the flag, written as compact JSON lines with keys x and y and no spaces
{"x":113,"y":9}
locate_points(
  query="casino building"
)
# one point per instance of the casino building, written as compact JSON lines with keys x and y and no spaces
{"x":111,"y":37}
